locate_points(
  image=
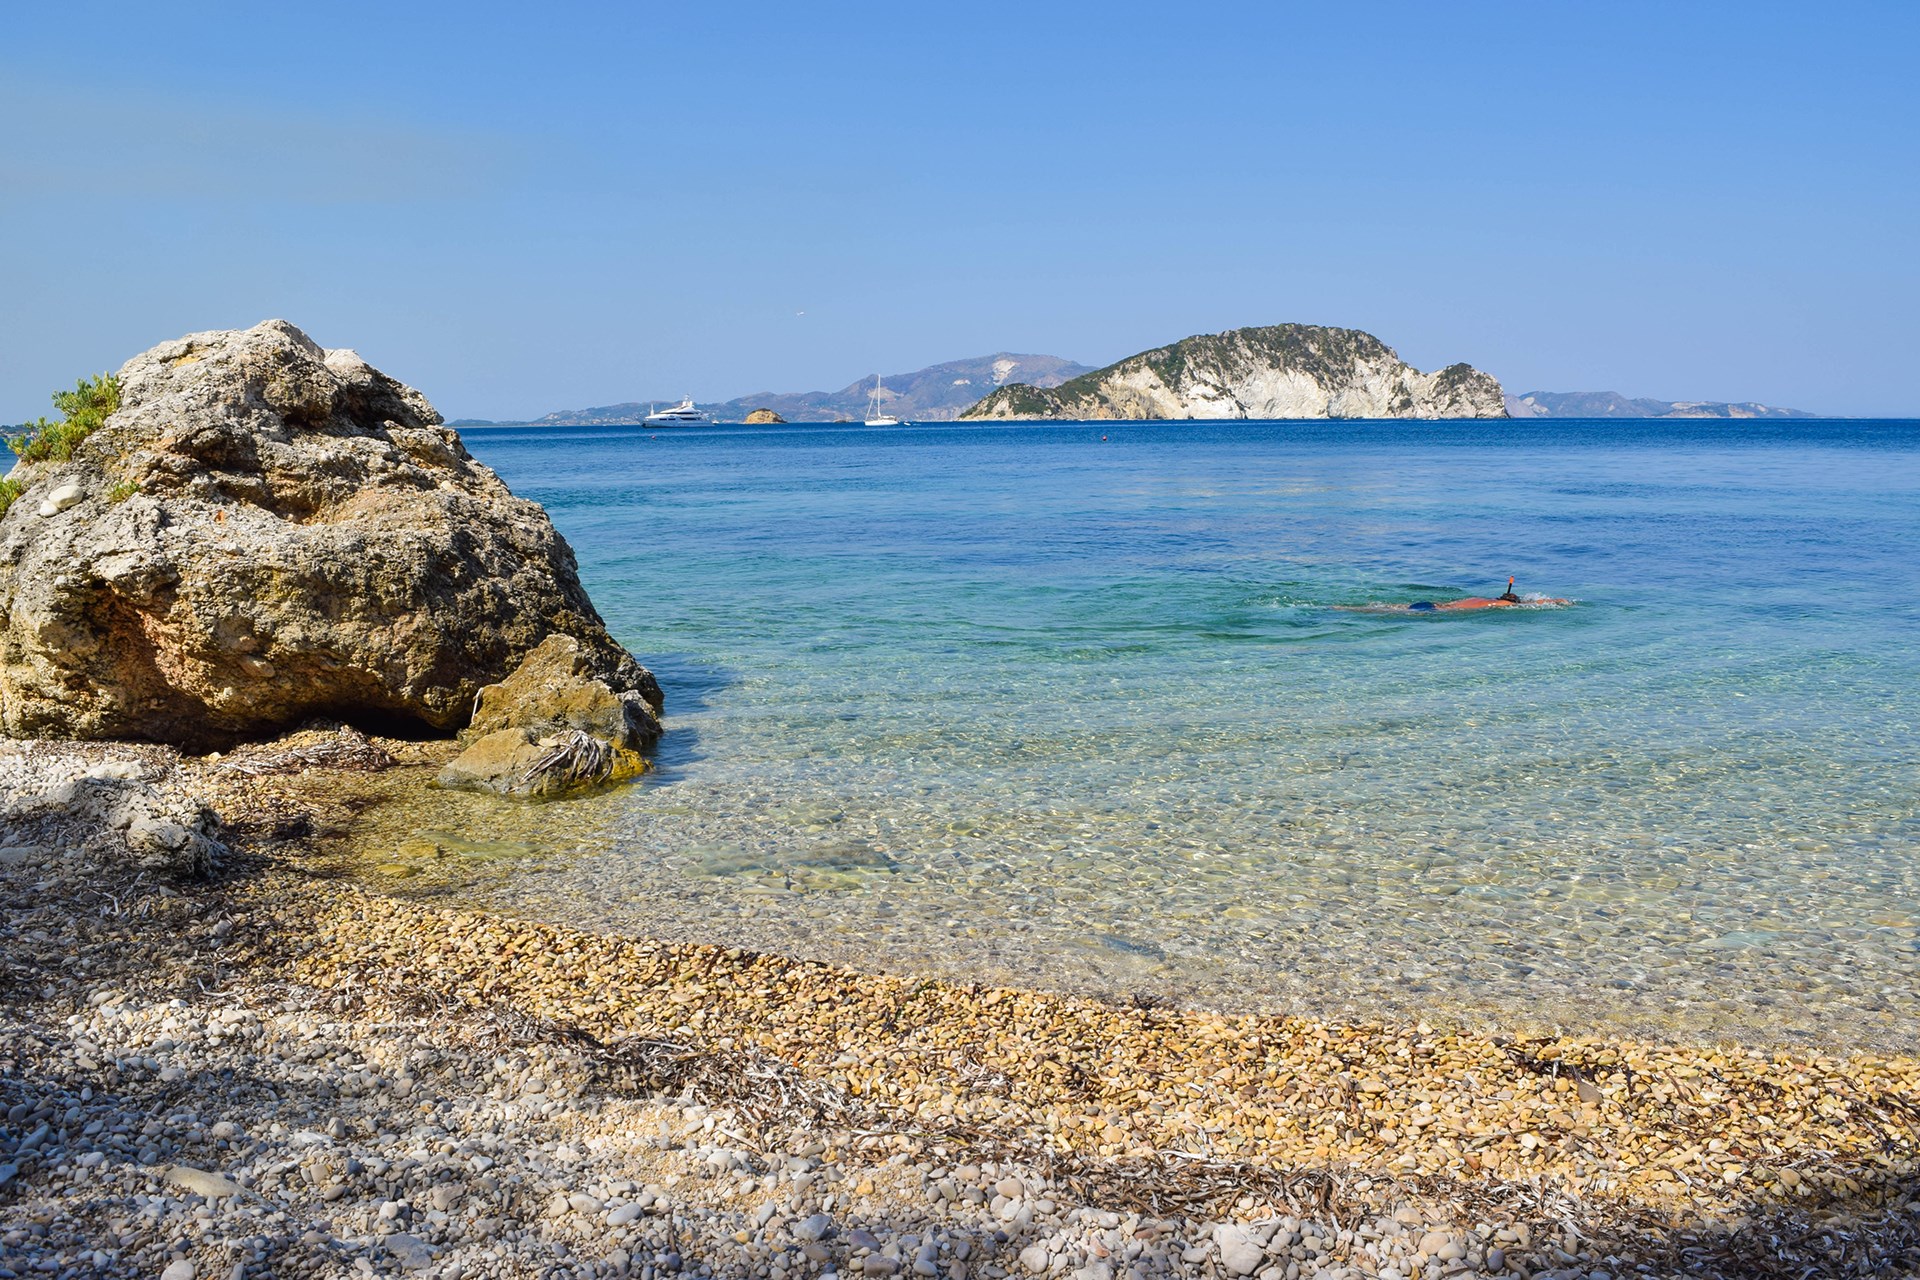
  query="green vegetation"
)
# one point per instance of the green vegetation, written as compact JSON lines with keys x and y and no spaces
{"x":122,"y":491}
{"x":81,"y":410}
{"x":1459,"y":377}
{"x":9,"y":490}
{"x":1019,"y":400}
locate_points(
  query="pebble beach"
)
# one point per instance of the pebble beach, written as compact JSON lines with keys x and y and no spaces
{"x":275,"y":1071}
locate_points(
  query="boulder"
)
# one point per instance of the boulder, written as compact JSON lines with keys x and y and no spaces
{"x":552,"y":726}
{"x":557,"y":688}
{"x":523,"y":762}
{"x":266,"y":532}
{"x":764,"y":418}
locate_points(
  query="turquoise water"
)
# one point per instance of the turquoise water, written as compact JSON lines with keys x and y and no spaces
{"x":1079,"y":706}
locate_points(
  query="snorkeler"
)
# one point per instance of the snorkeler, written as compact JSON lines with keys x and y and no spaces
{"x":1505,"y":600}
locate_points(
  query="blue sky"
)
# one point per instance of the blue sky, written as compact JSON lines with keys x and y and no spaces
{"x":523,"y":208}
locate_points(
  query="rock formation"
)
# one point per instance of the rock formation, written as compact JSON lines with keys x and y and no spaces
{"x":1281,"y":371}
{"x":266,"y":532}
{"x":763,"y":418}
{"x":551,"y":726}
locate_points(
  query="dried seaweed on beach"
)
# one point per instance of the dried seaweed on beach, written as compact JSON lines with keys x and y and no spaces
{"x":345,"y":749}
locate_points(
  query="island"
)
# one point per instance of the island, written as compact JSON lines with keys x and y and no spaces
{"x":1275,"y":371}
{"x":1611,"y":404}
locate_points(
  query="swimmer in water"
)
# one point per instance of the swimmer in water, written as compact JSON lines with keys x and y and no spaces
{"x":1506,"y":600}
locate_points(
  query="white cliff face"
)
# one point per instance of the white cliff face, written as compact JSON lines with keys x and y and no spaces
{"x":1285,"y":371}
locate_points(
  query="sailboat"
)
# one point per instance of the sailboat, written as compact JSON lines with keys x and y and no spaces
{"x":876,"y":418}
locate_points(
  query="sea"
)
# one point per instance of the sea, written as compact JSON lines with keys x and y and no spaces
{"x":1129,"y":710}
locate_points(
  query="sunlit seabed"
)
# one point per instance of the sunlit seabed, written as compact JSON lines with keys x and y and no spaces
{"x":1012,"y":704}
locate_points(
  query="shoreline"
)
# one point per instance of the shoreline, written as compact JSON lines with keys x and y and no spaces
{"x":395,"y":848}
{"x":983,"y":1122}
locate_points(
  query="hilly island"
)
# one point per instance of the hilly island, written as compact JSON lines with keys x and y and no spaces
{"x":1270,"y":371}
{"x":1275,"y":371}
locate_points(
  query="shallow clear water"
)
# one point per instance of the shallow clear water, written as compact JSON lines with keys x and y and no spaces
{"x":1025,"y":704}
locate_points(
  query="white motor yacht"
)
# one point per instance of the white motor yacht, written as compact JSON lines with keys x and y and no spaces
{"x":875,"y":418}
{"x":680,"y":415}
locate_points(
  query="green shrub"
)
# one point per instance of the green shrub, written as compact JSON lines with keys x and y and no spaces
{"x":81,"y":409}
{"x":122,"y":491}
{"x":9,"y":490}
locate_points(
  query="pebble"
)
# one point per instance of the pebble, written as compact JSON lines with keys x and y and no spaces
{"x":409,"y":1251}
{"x":1240,"y":1252}
{"x":60,"y":498}
{"x":816,"y":1226}
{"x":200,"y":1182}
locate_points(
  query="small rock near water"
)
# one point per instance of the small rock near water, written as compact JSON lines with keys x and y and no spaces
{"x":521,"y":762}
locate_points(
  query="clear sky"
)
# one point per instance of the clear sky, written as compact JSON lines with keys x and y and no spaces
{"x":520,"y":208}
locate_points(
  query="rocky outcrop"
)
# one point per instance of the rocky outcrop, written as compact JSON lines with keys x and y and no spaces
{"x":552,"y":726}
{"x":264,"y":532}
{"x":763,"y":418}
{"x":1281,"y":371}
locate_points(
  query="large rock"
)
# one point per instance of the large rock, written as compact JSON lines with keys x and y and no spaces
{"x":557,"y":688}
{"x":305,"y":539}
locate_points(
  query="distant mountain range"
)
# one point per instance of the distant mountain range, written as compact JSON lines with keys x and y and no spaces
{"x":934,"y":394}
{"x":1269,"y":371}
{"x":1007,"y":384}
{"x":1611,"y":404}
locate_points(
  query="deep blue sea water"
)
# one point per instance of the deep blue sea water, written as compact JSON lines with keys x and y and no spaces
{"x":1080,"y":706}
